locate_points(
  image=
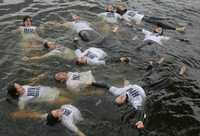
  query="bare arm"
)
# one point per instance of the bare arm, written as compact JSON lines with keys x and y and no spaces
{"x":34,"y":80}
{"x":24,"y":114}
{"x":56,"y":24}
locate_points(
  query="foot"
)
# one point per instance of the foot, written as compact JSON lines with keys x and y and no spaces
{"x":75,"y":40}
{"x":139,"y":125}
{"x":125,"y":59}
{"x":180,"y":29}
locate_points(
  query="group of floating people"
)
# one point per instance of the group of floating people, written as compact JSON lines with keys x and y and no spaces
{"x":68,"y":114}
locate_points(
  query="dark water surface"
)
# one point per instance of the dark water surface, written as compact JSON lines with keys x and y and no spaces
{"x":173,"y":104}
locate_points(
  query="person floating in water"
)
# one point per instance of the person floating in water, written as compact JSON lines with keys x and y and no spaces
{"x":76,"y":81}
{"x":110,"y":15}
{"x":133,"y":94}
{"x":133,"y":16}
{"x":30,"y":38}
{"x":68,"y":115}
{"x":55,"y":50}
{"x":157,"y":36}
{"x":82,"y":28}
{"x":96,"y":56}
{"x":26,"y":94}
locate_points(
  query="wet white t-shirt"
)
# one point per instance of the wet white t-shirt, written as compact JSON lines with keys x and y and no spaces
{"x":78,"y":81}
{"x":110,"y":17}
{"x":131,"y":15}
{"x":149,"y":36}
{"x":37,"y":94}
{"x":70,"y":116}
{"x":94,"y":56}
{"x":136,"y":94}
{"x":80,"y":26}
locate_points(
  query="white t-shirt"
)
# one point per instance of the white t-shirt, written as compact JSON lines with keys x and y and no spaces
{"x":94,"y":56}
{"x":131,"y":15}
{"x":136,"y":94}
{"x":70,"y":116}
{"x":81,"y":25}
{"x":149,"y":36}
{"x":78,"y":81}
{"x":110,"y":17}
{"x":37,"y":94}
{"x":27,"y":30}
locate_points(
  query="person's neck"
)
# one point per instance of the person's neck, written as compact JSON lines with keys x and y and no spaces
{"x":21,"y":92}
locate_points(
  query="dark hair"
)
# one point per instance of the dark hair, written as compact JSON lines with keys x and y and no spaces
{"x":51,"y":120}
{"x":159,"y":25}
{"x":12,"y":91}
{"x":121,"y":12}
{"x":77,"y":62}
{"x":46,"y":45}
{"x":26,"y":18}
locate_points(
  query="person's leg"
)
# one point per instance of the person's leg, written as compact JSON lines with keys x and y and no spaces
{"x":84,"y":35}
{"x":101,"y":85}
{"x":157,"y":21}
{"x":139,"y":117}
{"x":145,"y":43}
{"x":95,"y":37}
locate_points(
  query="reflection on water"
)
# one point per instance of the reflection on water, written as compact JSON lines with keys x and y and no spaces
{"x":173,"y":104}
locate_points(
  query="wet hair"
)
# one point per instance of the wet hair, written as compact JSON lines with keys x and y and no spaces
{"x":12,"y":92}
{"x":26,"y":18}
{"x":159,"y":25}
{"x":46,"y":45}
{"x":121,"y":12}
{"x":51,"y":120}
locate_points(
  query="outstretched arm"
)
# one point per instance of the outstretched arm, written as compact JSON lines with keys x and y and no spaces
{"x":56,"y":24}
{"x":25,"y":114}
{"x":68,"y":123}
{"x":34,"y":80}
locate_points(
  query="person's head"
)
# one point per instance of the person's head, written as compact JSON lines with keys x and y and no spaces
{"x":81,"y":61}
{"x":110,"y":8}
{"x":53,"y":117}
{"x":27,"y":21}
{"x":49,"y":45}
{"x":158,"y":29}
{"x":75,"y":17}
{"x":121,"y":9}
{"x":120,"y":100}
{"x":15,"y":90}
{"x":61,"y":76}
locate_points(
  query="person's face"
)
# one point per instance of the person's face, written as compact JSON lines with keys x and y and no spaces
{"x":19,"y":88}
{"x":110,"y":8}
{"x":56,"y":113}
{"x":157,"y":29}
{"x":61,"y":76}
{"x":75,"y":17}
{"x":28,"y":22}
{"x":51,"y":45}
{"x":120,"y":100}
{"x":82,"y":60}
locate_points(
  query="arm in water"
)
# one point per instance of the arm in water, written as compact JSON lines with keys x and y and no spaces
{"x":45,"y":56}
{"x":66,"y":24}
{"x":37,"y":79}
{"x":25,"y":114}
{"x":71,"y":126}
